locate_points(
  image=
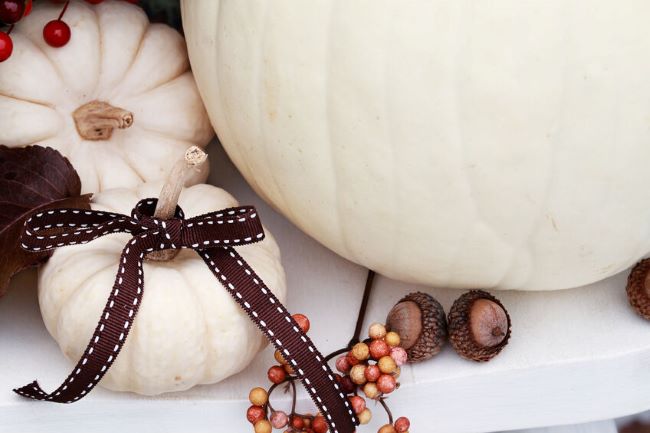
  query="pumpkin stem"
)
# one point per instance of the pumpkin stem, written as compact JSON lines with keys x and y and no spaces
{"x":166,"y":207}
{"x":96,"y":120}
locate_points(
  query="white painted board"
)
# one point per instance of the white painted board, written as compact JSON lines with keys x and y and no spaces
{"x":575,"y":356}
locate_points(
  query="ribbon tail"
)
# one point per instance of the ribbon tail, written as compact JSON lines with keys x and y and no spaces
{"x":110,"y":334}
{"x":261,"y":305}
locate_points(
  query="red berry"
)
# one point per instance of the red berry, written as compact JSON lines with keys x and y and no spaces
{"x":342,"y":364}
{"x":297,"y":422}
{"x":372,"y":373}
{"x":28,"y":8}
{"x":386,"y":383}
{"x":135,"y":2}
{"x":352,"y":360}
{"x":302,"y":321}
{"x":56,"y":33}
{"x":379,"y":348}
{"x":255,"y":413}
{"x":358,"y":404}
{"x":402,"y":424}
{"x":94,"y":2}
{"x":277,"y":374}
{"x":6,"y":46}
{"x":11,"y":11}
{"x":319,"y":425}
{"x":347,"y":385}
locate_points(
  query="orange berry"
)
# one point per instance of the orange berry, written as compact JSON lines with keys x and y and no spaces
{"x":364,"y":417}
{"x":258,"y":396}
{"x":263,"y":426}
{"x":278,"y":357}
{"x":288,"y":369}
{"x":392,"y":338}
{"x":370,"y":390}
{"x":387,"y":364}
{"x":357,"y":374}
{"x":360,"y":351}
{"x":376,"y":331}
{"x":303,"y":322}
{"x":386,"y":428}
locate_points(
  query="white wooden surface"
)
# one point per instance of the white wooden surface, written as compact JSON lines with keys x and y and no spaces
{"x":575,"y":356}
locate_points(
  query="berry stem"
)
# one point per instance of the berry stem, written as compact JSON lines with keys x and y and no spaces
{"x":337,"y":353}
{"x":293,"y":397}
{"x":388,"y":412}
{"x":274,"y":386}
{"x":362,"y":309}
{"x":65,"y":7}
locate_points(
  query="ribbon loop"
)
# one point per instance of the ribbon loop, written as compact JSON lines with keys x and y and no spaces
{"x":228,"y":227}
{"x":213,"y":236}
{"x":60,"y":227}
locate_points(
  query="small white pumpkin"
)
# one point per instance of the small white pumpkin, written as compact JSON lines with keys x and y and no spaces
{"x":452,"y":143}
{"x":188,"y":331}
{"x":75,"y":98}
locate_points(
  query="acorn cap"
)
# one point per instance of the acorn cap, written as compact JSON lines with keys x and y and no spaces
{"x":421,"y":324}
{"x":479,"y":326}
{"x":638,"y":283}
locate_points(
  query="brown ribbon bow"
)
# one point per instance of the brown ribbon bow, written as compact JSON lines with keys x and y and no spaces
{"x":212,"y":236}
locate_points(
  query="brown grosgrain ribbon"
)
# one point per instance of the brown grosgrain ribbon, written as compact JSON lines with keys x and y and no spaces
{"x":212,"y":236}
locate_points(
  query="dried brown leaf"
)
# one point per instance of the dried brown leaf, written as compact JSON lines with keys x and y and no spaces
{"x":31,"y":178}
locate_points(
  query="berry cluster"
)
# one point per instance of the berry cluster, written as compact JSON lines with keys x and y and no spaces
{"x":372,"y":366}
{"x":56,"y":32}
{"x":11,"y":11}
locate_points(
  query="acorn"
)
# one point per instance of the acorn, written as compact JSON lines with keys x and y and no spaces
{"x":638,"y":288}
{"x":421,"y":324}
{"x":479,"y":326}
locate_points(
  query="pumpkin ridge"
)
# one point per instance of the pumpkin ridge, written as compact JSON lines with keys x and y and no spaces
{"x":329,"y":127}
{"x":42,"y":51}
{"x":29,"y":100}
{"x":199,"y":305}
{"x":75,"y":289}
{"x":136,"y":54}
{"x":262,"y":97}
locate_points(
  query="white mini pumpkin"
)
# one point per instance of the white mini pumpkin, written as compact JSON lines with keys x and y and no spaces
{"x":188,"y":331}
{"x":453,"y":143}
{"x":117,"y":58}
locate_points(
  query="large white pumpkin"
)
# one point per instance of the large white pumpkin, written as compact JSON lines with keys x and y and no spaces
{"x":188,"y":330}
{"x":115,"y":56}
{"x":453,"y":143}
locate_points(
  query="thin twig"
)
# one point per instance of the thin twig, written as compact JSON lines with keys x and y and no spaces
{"x":390,"y":414}
{"x":362,"y":309}
{"x":274,"y":386}
{"x":336,"y":353}
{"x":293,"y":403}
{"x":65,"y":7}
